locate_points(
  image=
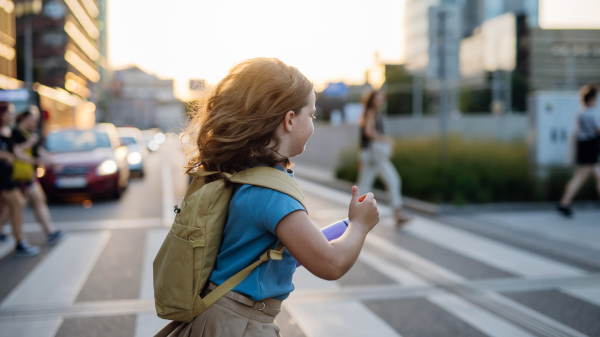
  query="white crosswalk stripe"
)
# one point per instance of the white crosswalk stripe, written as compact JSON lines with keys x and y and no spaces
{"x":333,"y":319}
{"x":477,"y":317}
{"x":588,"y":294}
{"x":147,"y":324}
{"x":63,"y":272}
{"x":490,"y":252}
{"x":57,"y":279}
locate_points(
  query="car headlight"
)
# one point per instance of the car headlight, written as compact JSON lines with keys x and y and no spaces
{"x":153,"y":145}
{"x":134,"y":158}
{"x":160,"y":138}
{"x":41,"y":171}
{"x":107,"y":167}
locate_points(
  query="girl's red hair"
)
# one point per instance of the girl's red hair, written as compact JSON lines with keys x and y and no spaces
{"x":235,"y":122}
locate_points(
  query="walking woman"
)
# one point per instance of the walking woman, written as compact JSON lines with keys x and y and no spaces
{"x":11,"y":197}
{"x":28,"y":152}
{"x":588,"y":149}
{"x":376,"y":150}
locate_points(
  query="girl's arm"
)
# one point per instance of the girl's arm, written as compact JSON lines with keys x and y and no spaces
{"x":328,"y":260}
{"x":24,"y":156}
{"x":30,"y":142}
{"x":5,"y":155}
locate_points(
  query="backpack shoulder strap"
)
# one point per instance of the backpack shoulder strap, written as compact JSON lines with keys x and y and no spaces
{"x":259,"y":176}
{"x":272,"y":178}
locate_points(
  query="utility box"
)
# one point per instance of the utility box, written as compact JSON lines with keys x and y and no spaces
{"x":552,"y":125}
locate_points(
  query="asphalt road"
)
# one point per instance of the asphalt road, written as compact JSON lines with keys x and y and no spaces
{"x":448,"y":276}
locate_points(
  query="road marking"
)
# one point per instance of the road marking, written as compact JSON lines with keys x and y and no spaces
{"x":481,"y":320}
{"x":59,"y":277}
{"x":530,"y":317}
{"x":378,"y":243}
{"x":304,"y":280}
{"x":590,"y":295}
{"x":154,"y":240}
{"x":333,"y":319}
{"x":148,"y":324}
{"x":391,"y":270}
{"x":95,"y":225}
{"x":39,"y":328}
{"x":168,"y":193}
{"x":342,"y":198}
{"x":490,"y":252}
{"x":7,"y":246}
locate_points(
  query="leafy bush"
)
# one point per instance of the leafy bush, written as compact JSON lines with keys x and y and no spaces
{"x":481,"y":171}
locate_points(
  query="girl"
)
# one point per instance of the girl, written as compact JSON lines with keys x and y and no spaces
{"x":376,"y":149}
{"x":261,"y":114}
{"x":10,"y":194}
{"x":588,"y":149}
{"x":27,"y":150}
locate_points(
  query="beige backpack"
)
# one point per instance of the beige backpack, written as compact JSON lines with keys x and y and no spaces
{"x":188,"y":254}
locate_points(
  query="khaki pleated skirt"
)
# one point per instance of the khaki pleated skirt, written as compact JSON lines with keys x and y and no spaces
{"x":233,"y":315}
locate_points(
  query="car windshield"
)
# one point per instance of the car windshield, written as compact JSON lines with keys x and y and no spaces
{"x":127,"y":140}
{"x":77,"y":140}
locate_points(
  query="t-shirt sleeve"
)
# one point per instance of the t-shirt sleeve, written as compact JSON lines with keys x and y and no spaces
{"x":268,"y":206}
{"x":17,"y":137}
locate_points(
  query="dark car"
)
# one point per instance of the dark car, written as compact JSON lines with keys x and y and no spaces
{"x":90,"y":161}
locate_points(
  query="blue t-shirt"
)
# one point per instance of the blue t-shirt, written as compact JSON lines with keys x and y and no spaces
{"x":253,"y":215}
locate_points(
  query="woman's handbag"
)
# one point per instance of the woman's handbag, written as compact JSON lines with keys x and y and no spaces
{"x":381,"y":151}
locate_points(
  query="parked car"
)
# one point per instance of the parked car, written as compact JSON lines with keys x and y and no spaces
{"x":90,"y":161}
{"x":134,"y":140}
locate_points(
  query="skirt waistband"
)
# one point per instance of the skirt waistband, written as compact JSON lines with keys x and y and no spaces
{"x":268,"y":306}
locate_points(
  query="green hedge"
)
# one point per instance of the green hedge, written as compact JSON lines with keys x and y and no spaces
{"x":480,"y":171}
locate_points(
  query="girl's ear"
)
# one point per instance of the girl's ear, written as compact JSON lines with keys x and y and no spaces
{"x":288,"y":121}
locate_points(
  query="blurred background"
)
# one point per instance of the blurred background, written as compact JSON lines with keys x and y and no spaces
{"x":482,"y":100}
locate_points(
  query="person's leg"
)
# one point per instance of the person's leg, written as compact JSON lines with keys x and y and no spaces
{"x":597,"y":176}
{"x":15,"y":202}
{"x":37,"y":198}
{"x":4,"y":215}
{"x":388,"y":173}
{"x":573,"y":186}
{"x":366,"y":176}
{"x":393,"y":182}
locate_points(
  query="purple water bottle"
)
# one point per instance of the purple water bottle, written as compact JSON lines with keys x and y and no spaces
{"x":333,"y":232}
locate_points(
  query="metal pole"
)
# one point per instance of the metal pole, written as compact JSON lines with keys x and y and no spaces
{"x":496,"y":97}
{"x":570,"y":71}
{"x":444,"y":87}
{"x":28,"y":52}
{"x":509,"y":92}
{"x":417,"y":95}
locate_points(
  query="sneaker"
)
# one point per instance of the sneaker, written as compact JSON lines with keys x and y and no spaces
{"x":3,"y":237}
{"x":56,"y":237}
{"x":25,"y":249}
{"x":565,"y":211}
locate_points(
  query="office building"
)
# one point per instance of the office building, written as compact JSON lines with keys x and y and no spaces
{"x":8,"y":53}
{"x":143,"y":100}
{"x":473,"y":14}
{"x":58,"y":43}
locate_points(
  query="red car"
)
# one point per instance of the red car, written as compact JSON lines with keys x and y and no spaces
{"x":90,"y":161}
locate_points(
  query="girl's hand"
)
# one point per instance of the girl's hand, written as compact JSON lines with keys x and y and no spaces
{"x":363,"y":211}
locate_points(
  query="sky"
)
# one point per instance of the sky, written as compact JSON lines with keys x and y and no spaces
{"x":327,"y":40}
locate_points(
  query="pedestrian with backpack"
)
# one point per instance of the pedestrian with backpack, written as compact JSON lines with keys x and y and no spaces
{"x":227,"y":262}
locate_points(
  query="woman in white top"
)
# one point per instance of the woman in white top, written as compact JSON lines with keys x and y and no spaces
{"x":376,"y":149}
{"x":588,"y":149}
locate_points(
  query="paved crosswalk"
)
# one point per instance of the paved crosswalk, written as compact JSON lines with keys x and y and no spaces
{"x":396,"y":289}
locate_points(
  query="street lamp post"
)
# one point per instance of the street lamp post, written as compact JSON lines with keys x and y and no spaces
{"x":27,"y":10}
